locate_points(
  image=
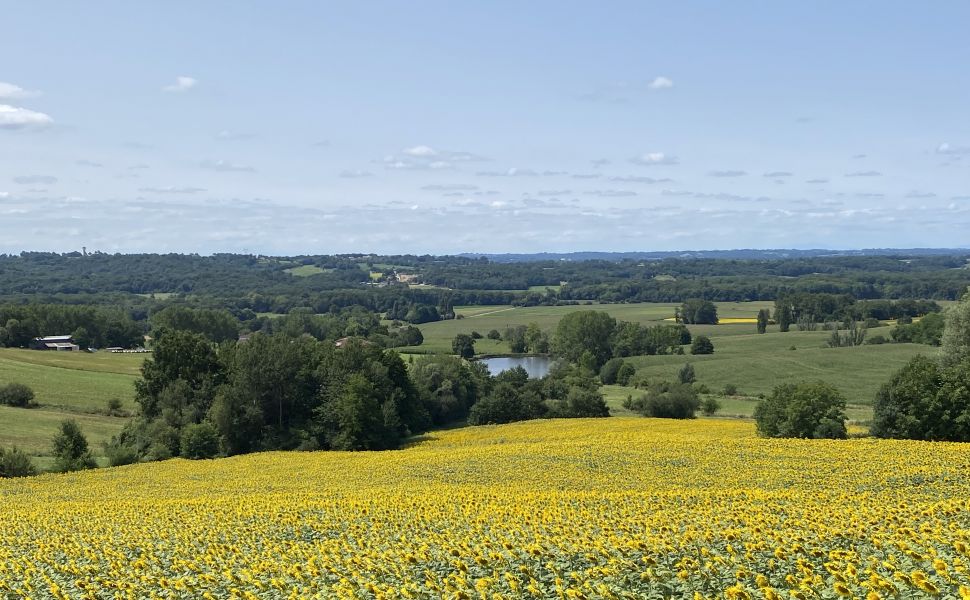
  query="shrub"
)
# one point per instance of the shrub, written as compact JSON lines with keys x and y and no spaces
{"x":505,"y":405}
{"x":580,"y":403}
{"x":16,"y":394}
{"x":666,"y":400}
{"x":114,"y":408}
{"x":476,"y":335}
{"x":686,"y":374}
{"x":119,"y":454}
{"x":199,"y":440}
{"x":625,"y":374}
{"x":494,"y":335}
{"x":876,"y":340}
{"x":610,"y":370}
{"x":802,"y":410}
{"x":730,"y":389}
{"x":710,"y":405}
{"x":702,"y":345}
{"x":70,"y":447}
{"x":15,"y":463}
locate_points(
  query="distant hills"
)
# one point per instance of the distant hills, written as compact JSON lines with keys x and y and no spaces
{"x":741,"y":254}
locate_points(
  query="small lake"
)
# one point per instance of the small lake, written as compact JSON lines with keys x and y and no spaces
{"x":535,"y":366}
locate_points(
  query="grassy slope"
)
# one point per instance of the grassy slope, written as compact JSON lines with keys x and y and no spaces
{"x":756,"y":363}
{"x":66,"y":385}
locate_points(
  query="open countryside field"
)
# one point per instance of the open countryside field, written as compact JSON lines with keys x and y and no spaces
{"x":542,"y":509}
{"x":756,"y":363}
{"x":74,"y":385}
{"x":438,"y":335}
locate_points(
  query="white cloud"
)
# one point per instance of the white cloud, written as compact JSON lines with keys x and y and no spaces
{"x":171,"y":190}
{"x":221,"y":165}
{"x":654,"y":158}
{"x":421,"y":151}
{"x":182,"y":84}
{"x":14,"y":117}
{"x":227,"y":135}
{"x":864,"y":174}
{"x":640,"y":179}
{"x":355,"y":174}
{"x":88,"y":163}
{"x":661,"y":83}
{"x":9,"y":91}
{"x":35,"y":179}
{"x":947,"y":148}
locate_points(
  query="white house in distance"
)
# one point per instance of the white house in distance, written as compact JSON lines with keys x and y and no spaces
{"x":58,"y":343}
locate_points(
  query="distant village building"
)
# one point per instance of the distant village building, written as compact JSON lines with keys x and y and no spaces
{"x":58,"y":343}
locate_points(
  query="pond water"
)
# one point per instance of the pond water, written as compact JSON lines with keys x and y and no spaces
{"x":535,"y":366}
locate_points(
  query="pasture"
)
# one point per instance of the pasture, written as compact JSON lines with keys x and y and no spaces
{"x":74,"y":385}
{"x":606,"y":508}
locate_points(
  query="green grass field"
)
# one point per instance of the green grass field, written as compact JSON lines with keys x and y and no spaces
{"x":438,"y":335}
{"x":74,"y":385}
{"x":305,"y":270}
{"x":31,"y":429}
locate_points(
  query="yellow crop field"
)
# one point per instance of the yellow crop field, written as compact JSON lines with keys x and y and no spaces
{"x":608,"y":508}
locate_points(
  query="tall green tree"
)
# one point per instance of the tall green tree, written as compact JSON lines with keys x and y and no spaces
{"x":585,"y":331}
{"x":763,"y":320}
{"x":696,"y":311}
{"x":463,"y":345}
{"x":802,"y":410}
{"x":955,"y":343}
{"x":70,"y":448}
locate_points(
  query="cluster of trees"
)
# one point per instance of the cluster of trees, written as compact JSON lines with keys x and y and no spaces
{"x":802,"y":410}
{"x":569,"y":391}
{"x":929,"y":398}
{"x":527,"y":338}
{"x":928,"y":330}
{"x":91,"y":326}
{"x":591,"y":338}
{"x":810,"y":308}
{"x":696,"y":311}
{"x":198,"y":399}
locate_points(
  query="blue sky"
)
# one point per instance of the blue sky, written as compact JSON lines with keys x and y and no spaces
{"x":442,"y":127}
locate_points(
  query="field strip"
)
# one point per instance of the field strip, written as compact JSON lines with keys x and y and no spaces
{"x":491,"y":312}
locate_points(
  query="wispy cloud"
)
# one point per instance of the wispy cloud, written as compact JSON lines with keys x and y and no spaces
{"x":817,"y":180}
{"x":88,"y":163}
{"x":35,"y":179}
{"x":947,"y":148}
{"x":355,"y":174}
{"x":234,"y":136}
{"x":777,"y":174}
{"x":171,"y":190}
{"x":225,"y":166}
{"x":182,"y":84}
{"x":9,"y":91}
{"x":449,"y":187}
{"x":611,"y":193}
{"x":728,"y":173}
{"x":512,"y":172}
{"x":864,"y":174}
{"x":14,"y":117}
{"x":654,"y":158}
{"x":639,"y":179}
{"x":661,"y":83}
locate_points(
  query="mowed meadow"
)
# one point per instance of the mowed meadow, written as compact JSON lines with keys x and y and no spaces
{"x":66,"y":385}
{"x":605,"y":508}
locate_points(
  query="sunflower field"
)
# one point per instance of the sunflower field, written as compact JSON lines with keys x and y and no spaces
{"x":605,"y":508}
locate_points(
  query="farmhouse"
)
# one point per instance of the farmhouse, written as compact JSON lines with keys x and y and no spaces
{"x":59,"y":343}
